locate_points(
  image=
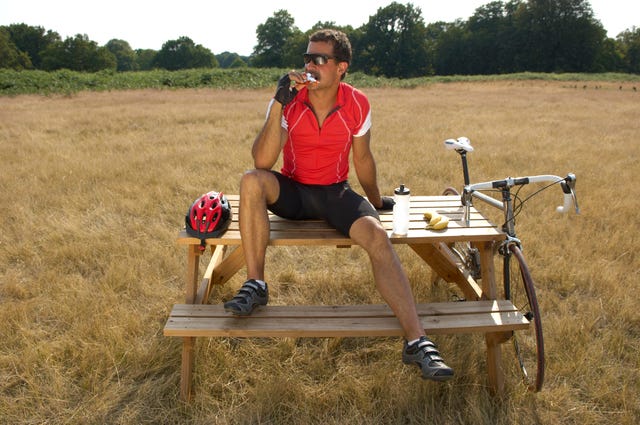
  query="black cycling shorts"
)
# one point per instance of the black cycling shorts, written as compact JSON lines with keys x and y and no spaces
{"x":337,"y":203}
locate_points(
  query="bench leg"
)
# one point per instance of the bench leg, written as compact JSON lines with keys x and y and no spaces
{"x":186,"y":371}
{"x":493,"y":340}
{"x":494,"y":361}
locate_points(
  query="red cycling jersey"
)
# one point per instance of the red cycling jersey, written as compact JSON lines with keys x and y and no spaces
{"x":314,"y":155}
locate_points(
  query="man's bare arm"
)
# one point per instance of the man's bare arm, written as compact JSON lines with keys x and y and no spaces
{"x":365,"y":166}
{"x":269,"y":142}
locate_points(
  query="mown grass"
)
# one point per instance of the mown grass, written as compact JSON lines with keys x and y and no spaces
{"x":94,"y":189}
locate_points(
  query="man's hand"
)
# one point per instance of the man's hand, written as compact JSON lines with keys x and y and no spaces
{"x":387,"y":204}
{"x":285,"y":93}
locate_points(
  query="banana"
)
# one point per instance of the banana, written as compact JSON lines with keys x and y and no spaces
{"x":436,"y":221}
{"x":443,"y":223}
{"x":429,"y":215}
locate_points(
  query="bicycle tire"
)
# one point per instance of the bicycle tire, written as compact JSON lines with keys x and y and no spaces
{"x":528,"y":344}
{"x":448,"y":191}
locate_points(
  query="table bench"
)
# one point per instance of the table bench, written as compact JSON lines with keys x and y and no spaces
{"x":482,"y":312}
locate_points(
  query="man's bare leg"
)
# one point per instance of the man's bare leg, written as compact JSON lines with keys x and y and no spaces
{"x":393,"y":285}
{"x":390,"y":278}
{"x":258,"y":188}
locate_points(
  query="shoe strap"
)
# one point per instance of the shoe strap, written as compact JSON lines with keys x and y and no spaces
{"x":252,"y":284}
{"x":430,"y":349}
{"x":247,"y":291}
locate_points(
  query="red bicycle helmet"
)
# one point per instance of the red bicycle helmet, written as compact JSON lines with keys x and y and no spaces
{"x":209,"y":216}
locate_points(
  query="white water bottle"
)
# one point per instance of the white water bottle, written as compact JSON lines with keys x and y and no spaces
{"x":402,"y":196}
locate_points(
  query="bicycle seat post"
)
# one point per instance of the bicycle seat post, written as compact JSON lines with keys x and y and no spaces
{"x":465,"y":167}
{"x":466,"y":197}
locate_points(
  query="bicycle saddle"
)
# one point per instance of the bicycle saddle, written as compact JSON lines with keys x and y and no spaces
{"x":461,"y":143}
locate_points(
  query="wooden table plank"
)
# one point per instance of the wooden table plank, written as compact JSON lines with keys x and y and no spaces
{"x":338,"y":327}
{"x":318,"y":232}
{"x":330,"y":236}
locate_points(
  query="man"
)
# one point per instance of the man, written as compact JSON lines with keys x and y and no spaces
{"x":316,"y":125}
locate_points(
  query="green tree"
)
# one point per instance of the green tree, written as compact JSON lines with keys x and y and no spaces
{"x":32,"y":40}
{"x":558,"y":35}
{"x":629,"y":45}
{"x":610,"y":58}
{"x":489,"y":39}
{"x":394,"y":43}
{"x":230,"y":60}
{"x":294,"y":48}
{"x":145,"y":59}
{"x":452,"y":48}
{"x":433,"y":34}
{"x":534,"y":35}
{"x":183,"y":53}
{"x":77,"y":54}
{"x":273,"y":36}
{"x":10,"y":56}
{"x":125,"y":56}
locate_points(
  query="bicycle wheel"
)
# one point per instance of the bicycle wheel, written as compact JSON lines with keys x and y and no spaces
{"x":528,"y":344}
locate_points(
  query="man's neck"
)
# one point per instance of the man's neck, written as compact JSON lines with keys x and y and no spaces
{"x":324,"y":98}
{"x":322,"y":102}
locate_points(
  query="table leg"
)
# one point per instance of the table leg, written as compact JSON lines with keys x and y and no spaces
{"x":188,"y":344}
{"x":191,"y":276}
{"x":492,"y":340}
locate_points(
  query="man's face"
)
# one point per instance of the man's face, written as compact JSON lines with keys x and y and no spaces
{"x":328,"y":73}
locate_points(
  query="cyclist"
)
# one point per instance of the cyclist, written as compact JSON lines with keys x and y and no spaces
{"x":315,"y":125}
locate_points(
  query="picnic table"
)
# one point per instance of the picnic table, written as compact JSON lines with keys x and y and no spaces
{"x":482,"y":312}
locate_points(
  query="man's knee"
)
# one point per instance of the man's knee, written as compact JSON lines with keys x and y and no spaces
{"x":368,"y":232}
{"x":253,"y":180}
{"x":260,"y":183}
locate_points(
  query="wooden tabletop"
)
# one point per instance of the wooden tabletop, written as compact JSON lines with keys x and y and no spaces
{"x":318,"y":232}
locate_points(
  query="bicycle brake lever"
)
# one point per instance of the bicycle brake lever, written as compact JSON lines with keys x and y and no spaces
{"x":575,"y":200}
{"x":568,"y":187}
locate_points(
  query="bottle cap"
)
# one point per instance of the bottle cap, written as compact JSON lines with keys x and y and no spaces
{"x":402,"y":190}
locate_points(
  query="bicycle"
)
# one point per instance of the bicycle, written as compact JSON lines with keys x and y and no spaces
{"x":518,"y":284}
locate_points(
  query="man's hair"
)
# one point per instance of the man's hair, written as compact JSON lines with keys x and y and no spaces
{"x":339,"y":40}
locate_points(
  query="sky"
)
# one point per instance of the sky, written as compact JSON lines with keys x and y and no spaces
{"x":227,"y":25}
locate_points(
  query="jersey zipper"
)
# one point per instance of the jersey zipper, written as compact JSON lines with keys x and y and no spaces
{"x":331,"y":112}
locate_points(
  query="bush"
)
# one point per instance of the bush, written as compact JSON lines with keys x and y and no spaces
{"x":68,"y":82}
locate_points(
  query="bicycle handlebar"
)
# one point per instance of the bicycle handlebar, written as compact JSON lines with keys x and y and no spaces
{"x":514,"y":181}
{"x":567,"y":183}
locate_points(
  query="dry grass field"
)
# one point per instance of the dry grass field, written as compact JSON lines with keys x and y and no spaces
{"x":94,"y":188}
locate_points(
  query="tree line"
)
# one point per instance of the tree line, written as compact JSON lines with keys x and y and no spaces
{"x":500,"y":37}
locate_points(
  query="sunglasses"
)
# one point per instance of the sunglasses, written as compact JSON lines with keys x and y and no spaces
{"x":316,"y":58}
